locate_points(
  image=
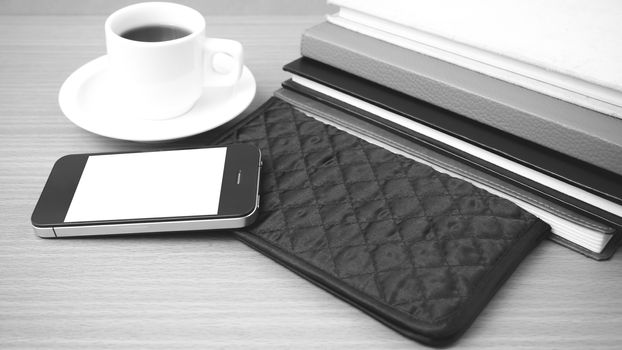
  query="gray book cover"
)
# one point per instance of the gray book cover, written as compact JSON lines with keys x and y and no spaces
{"x":570,"y":129}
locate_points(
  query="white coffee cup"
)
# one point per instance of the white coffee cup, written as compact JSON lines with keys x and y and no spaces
{"x":163,"y":79}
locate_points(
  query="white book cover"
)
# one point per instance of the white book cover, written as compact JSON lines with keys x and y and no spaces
{"x":567,"y":49}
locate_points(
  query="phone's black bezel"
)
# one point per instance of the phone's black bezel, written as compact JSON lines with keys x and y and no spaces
{"x":236,"y":199}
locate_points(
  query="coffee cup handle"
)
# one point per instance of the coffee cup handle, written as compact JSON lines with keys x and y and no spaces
{"x":223,"y":62}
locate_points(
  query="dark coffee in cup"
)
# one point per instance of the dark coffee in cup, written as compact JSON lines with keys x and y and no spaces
{"x":155,"y":33}
{"x":160,"y":61}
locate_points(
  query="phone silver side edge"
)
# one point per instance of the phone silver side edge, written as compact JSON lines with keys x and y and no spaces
{"x":151,"y":227}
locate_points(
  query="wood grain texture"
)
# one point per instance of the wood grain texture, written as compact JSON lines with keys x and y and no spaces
{"x":207,"y":7}
{"x":204,"y":290}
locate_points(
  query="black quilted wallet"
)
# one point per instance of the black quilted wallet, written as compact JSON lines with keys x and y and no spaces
{"x":418,"y":250}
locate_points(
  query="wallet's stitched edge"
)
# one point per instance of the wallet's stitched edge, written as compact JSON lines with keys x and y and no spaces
{"x":436,"y":337}
{"x":504,"y":268}
{"x":439,"y":334}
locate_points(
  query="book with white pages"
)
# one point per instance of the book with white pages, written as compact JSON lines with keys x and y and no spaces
{"x":576,"y":131}
{"x":580,"y":219}
{"x":566,"y":49}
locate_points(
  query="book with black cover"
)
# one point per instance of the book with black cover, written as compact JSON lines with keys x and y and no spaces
{"x":588,"y":178}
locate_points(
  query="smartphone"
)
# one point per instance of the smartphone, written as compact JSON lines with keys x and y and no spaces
{"x":139,"y":192}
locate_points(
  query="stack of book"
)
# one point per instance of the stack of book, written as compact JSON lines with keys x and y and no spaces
{"x":522,"y":98}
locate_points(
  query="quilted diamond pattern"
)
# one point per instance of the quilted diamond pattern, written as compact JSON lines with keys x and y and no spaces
{"x":412,"y":238}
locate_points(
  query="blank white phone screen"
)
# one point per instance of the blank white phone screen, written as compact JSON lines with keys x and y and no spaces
{"x":149,"y":185}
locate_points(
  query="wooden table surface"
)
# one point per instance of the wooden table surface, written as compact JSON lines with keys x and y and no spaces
{"x":201,"y":290}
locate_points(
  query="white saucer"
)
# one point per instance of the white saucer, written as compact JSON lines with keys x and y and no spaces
{"x":84,"y":100}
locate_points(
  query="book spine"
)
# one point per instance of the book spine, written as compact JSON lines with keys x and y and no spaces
{"x":572,"y":130}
